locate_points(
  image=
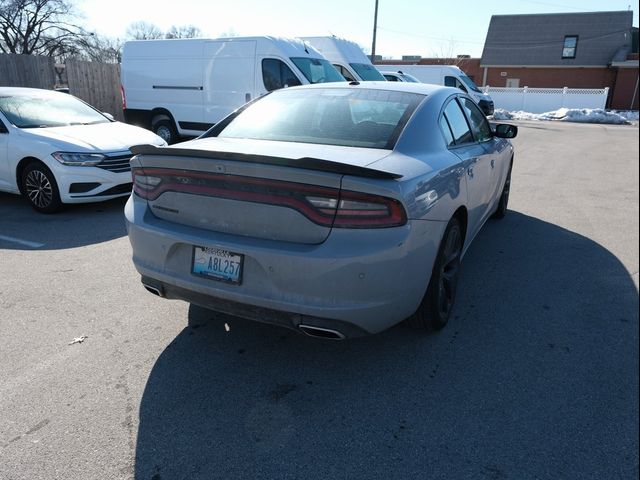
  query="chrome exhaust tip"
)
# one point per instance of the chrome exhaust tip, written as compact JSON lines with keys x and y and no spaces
{"x":154,"y":290}
{"x":318,"y":332}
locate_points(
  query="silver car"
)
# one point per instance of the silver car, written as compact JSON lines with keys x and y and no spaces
{"x":337,"y":210}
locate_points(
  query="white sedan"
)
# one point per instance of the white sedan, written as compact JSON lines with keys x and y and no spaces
{"x":56,"y":149}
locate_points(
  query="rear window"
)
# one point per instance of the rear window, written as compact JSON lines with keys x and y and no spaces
{"x":337,"y":116}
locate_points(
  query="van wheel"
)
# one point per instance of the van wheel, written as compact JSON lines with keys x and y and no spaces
{"x":40,"y":188}
{"x":165,"y":130}
{"x":437,"y":304}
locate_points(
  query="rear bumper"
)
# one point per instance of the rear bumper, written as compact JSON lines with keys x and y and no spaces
{"x":285,"y":319}
{"x":362,"y":281}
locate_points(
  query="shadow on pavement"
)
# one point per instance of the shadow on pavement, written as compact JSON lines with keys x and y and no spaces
{"x":535,"y":377}
{"x":22,"y":228}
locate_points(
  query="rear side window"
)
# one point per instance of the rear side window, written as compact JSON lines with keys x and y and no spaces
{"x":446,"y":130}
{"x":276,"y":74}
{"x":479,"y":124}
{"x":458,"y":123}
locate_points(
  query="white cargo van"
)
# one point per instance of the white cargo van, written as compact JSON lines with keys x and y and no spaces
{"x":184,"y":86}
{"x":448,"y":75}
{"x":346,"y":56}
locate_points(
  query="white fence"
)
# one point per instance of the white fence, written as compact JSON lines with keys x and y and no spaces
{"x":540,"y":100}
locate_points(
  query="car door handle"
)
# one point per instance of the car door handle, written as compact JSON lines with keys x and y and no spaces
{"x":493,"y":163}
{"x":470,"y":171}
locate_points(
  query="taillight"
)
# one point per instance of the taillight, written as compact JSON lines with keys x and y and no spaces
{"x":329,"y":207}
{"x":124,"y":98}
{"x":361,"y":210}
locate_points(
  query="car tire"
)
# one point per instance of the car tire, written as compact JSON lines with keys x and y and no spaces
{"x":40,"y":187}
{"x":166,"y":130}
{"x":501,"y":209}
{"x":438,"y":301}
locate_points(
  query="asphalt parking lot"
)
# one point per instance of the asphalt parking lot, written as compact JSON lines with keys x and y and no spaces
{"x":536,"y":377}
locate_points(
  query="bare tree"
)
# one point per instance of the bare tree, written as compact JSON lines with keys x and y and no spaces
{"x":38,"y":27}
{"x":446,"y":54}
{"x":184,"y":31}
{"x":144,"y":31}
{"x":97,"y":48}
{"x":229,"y":33}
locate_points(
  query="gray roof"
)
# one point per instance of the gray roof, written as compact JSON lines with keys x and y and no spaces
{"x":538,"y":39}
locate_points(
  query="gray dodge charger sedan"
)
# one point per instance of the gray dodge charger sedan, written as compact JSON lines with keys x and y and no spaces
{"x":337,"y":210}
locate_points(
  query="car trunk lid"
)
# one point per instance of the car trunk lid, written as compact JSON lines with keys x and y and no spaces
{"x":287,"y":194}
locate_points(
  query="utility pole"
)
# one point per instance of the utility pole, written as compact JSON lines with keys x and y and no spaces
{"x":375,"y":27}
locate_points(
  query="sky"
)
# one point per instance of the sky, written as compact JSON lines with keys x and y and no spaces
{"x":405,"y":27}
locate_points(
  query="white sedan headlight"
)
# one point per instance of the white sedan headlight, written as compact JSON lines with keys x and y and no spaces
{"x":78,"y":159}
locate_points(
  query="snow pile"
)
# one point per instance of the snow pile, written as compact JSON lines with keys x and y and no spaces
{"x":579,"y":115}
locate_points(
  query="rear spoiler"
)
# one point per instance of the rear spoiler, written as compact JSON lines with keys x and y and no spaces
{"x":306,"y":162}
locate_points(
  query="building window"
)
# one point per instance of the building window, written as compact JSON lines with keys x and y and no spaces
{"x":569,"y":47}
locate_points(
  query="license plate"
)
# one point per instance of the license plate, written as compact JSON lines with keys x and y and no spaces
{"x":217,"y":264}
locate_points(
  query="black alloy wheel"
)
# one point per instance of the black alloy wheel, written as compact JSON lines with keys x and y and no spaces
{"x":501,"y":209}
{"x":438,"y":302}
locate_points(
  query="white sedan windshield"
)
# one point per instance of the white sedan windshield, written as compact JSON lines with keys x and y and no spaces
{"x":53,"y":110}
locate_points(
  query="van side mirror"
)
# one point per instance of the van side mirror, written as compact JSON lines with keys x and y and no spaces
{"x":504,"y":130}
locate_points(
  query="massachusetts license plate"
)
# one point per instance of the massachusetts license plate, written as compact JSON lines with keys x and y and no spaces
{"x":217,"y":264}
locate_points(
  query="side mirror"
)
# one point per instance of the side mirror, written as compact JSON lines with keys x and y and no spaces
{"x":109,"y":116}
{"x":504,"y":130}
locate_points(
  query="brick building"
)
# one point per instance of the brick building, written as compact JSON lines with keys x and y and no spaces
{"x":575,"y":50}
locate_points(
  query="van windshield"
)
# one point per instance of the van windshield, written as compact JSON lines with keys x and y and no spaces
{"x":469,"y":83}
{"x":367,"y":72}
{"x":316,"y":70}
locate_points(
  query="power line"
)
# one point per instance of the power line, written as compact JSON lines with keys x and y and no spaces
{"x":427,"y":36}
{"x":506,"y":45}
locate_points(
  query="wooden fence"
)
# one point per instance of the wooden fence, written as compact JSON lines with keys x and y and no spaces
{"x":98,"y":84}
{"x":27,"y":71}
